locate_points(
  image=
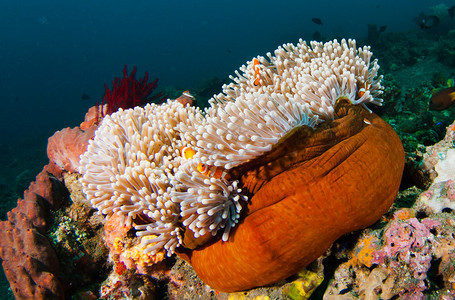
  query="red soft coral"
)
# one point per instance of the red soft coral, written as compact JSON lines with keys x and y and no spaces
{"x":128,"y":92}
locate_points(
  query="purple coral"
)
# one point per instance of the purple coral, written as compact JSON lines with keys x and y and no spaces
{"x":408,"y":243}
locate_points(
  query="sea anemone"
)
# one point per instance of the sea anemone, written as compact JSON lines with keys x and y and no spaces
{"x":128,"y":166}
{"x":288,"y":154}
{"x":207,"y":203}
{"x":298,"y":86}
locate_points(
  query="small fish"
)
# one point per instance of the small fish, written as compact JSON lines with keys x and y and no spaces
{"x":363,"y":90}
{"x":426,"y":22}
{"x":209,"y":171}
{"x":187,"y":152}
{"x":186,"y":98}
{"x":317,"y":21}
{"x":382,"y":28}
{"x":212,"y":171}
{"x":257,"y":74}
{"x":43,"y":20}
{"x":229,"y":51}
{"x":317,"y":36}
{"x":443,"y":99}
{"x":85,"y":97}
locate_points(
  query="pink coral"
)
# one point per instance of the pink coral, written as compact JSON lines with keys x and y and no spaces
{"x":410,"y":240}
{"x":408,"y":245}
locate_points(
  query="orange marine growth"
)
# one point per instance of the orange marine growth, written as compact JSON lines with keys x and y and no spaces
{"x":365,"y":251}
{"x":257,"y":75}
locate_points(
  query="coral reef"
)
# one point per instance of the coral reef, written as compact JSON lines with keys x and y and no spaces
{"x":28,"y":250}
{"x":401,"y":265}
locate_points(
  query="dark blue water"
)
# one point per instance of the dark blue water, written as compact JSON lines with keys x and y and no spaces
{"x":52,"y":52}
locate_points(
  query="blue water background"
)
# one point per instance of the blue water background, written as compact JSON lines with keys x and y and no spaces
{"x":52,"y":52}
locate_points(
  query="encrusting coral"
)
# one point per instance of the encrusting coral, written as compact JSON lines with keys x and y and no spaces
{"x":288,"y":154}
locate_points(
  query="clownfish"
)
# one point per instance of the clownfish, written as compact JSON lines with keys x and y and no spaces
{"x":209,"y":171}
{"x":363,"y":90}
{"x":257,"y":75}
{"x":186,"y":98}
{"x":212,"y":171}
{"x":187,"y":152}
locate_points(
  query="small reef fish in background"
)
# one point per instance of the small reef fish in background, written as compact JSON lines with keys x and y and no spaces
{"x":43,"y":20}
{"x":317,"y":21}
{"x":85,"y":97}
{"x":443,"y":99}
{"x":426,"y":22}
{"x":317,"y":36}
{"x":382,"y":28}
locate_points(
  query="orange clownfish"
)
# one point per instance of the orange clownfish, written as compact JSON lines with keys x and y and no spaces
{"x":257,"y":75}
{"x":209,"y":171}
{"x":186,"y":98}
{"x":212,"y":171}
{"x":187,"y":152}
{"x":363,"y":90}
